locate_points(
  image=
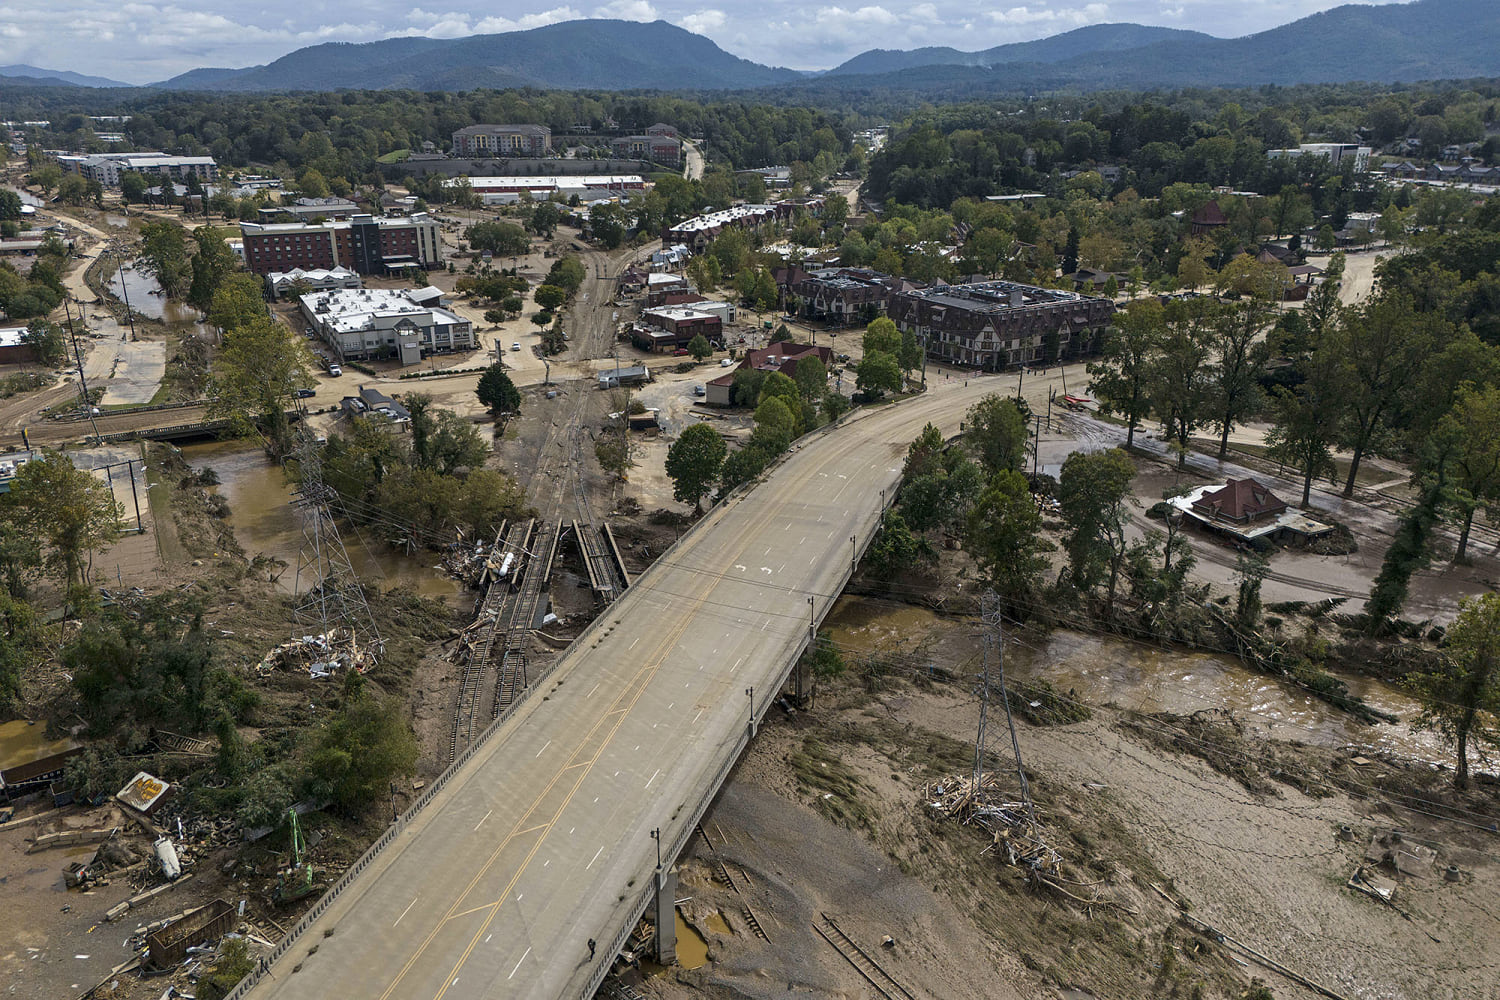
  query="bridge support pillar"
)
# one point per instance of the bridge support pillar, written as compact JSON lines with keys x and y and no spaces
{"x":802,"y":682}
{"x":665,"y":910}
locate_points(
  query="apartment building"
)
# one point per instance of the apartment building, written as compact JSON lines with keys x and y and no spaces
{"x":364,"y":244}
{"x":502,"y":140}
{"x":106,"y":168}
{"x":992,"y":325}
{"x":405,"y":324}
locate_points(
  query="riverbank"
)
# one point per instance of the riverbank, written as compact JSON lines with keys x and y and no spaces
{"x":1154,"y":813}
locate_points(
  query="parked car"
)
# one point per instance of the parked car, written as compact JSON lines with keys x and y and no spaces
{"x":680,"y":352}
{"x":515,"y":345}
{"x":699,"y":390}
{"x":335,"y":371}
{"x":306,"y":393}
{"x":726,"y":363}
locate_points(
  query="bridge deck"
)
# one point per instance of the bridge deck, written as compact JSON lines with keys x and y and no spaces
{"x":541,"y":840}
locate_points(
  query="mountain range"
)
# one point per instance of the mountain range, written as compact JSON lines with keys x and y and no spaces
{"x":1421,"y":40}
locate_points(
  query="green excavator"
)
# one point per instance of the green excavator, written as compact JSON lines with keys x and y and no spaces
{"x":296,"y":881}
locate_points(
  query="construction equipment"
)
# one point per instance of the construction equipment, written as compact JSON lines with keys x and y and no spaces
{"x":296,"y":881}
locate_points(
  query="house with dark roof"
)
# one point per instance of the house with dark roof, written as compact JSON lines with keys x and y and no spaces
{"x":1208,"y":219}
{"x":1247,"y":511}
{"x":371,"y":402}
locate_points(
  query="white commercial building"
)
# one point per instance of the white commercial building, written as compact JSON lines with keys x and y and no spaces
{"x":374,"y":323}
{"x":1337,"y":154}
{"x":107,"y":167}
{"x":317,"y":279}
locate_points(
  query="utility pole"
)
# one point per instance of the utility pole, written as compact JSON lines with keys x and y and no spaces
{"x":83,"y":384}
{"x":1036,"y":451}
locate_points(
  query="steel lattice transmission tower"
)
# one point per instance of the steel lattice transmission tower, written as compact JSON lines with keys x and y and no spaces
{"x":987,"y":755}
{"x":327,"y":591}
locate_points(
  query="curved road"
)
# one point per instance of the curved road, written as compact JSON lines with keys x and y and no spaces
{"x":540,"y":841}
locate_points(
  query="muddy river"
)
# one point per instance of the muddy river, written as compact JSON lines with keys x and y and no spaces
{"x":264,"y":522}
{"x":1142,"y":678}
{"x":133,"y":283}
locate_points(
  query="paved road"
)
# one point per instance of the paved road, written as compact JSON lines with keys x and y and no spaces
{"x":541,"y":841}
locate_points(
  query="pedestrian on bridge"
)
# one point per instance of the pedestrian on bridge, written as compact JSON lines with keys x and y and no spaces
{"x":591,"y":948}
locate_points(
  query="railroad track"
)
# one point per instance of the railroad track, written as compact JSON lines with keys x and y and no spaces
{"x":883,"y":982}
{"x":476,"y":697}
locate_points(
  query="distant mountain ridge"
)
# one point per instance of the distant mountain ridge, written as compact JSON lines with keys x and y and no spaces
{"x":1422,"y":40}
{"x":1055,"y":48}
{"x":34,"y":74}
{"x":1389,"y":43}
{"x":590,"y":54}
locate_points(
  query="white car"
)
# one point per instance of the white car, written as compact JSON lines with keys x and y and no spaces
{"x":515,"y":345}
{"x":725,"y":363}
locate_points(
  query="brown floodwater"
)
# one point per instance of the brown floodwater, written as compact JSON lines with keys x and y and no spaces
{"x":692,"y":950}
{"x":21,"y":742}
{"x":1108,"y":670}
{"x":146,"y":297}
{"x":264,"y":522}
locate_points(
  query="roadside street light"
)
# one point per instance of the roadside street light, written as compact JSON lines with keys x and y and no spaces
{"x":656,"y":836}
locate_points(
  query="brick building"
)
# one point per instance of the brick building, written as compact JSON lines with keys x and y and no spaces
{"x":663,"y":149}
{"x":701,"y":230}
{"x":502,"y":140}
{"x":994,"y":324}
{"x":364,"y":244}
{"x":680,"y":324}
{"x":781,"y":356}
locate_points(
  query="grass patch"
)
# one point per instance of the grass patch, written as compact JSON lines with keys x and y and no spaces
{"x":394,"y":156}
{"x":1039,"y":704}
{"x":23,"y":382}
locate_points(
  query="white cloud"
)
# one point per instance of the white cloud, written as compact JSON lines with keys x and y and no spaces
{"x":1091,"y":14}
{"x":1174,"y":13}
{"x":704,"y":21}
{"x":627,"y":10}
{"x":924,"y":12}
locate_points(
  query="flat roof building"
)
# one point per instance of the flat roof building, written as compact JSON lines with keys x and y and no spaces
{"x":1338,"y":154}
{"x":995,"y":324}
{"x":701,"y":230}
{"x":373,"y":323}
{"x":283,"y":283}
{"x":106,"y":168}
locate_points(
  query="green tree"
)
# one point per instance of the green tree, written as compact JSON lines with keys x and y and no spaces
{"x":894,"y":549}
{"x":1382,"y":343}
{"x":1305,"y":420}
{"x":20,"y":639}
{"x":497,"y":392}
{"x":1461,"y":695}
{"x":775,"y":425}
{"x":353,"y":757}
{"x":731,"y":251}
{"x":441,"y":440}
{"x":260,"y":367}
{"x":1121,"y":379}
{"x":811,"y":376}
{"x":694,"y":462}
{"x":72,"y":513}
{"x":823,"y":661}
{"x":1094,"y":494}
{"x":1233,"y":390}
{"x":1409,"y":551}
{"x":48,"y":341}
{"x":834,"y":405}
{"x":882,"y":335}
{"x":1179,"y":377}
{"x":544,"y":219}
{"x":1473,"y":425}
{"x":165,"y":256}
{"x":699,"y":348}
{"x":1250,"y":569}
{"x":995,"y":429}
{"x":211,"y":264}
{"x":503,"y":239}
{"x":549,"y":297}
{"x":909,"y":356}
{"x":1004,"y":535}
{"x":878,"y":373}
{"x":236,"y":301}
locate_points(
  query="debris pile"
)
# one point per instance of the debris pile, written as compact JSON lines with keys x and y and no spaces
{"x":320,"y":655}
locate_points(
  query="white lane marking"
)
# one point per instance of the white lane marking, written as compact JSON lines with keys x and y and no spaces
{"x":768,"y":550}
{"x":739,"y":567}
{"x":669,"y":706}
{"x":546,"y":863}
{"x":571,"y":829}
{"x":637,"y":639}
{"x":653,"y":778}
{"x":788,"y":526}
{"x":766,"y":570}
{"x":591,"y":693}
{"x":518,"y":965}
{"x":518,"y":896}
{"x":781,"y":567}
{"x":596,"y":855}
{"x":408,"y":909}
{"x":739,"y":661}
{"x":543,"y":749}
{"x":481,"y":822}
{"x":803,"y":541}
{"x":697,"y":717}
{"x":487,"y":938}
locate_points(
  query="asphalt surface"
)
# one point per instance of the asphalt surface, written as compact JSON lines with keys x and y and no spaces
{"x":541,"y":841}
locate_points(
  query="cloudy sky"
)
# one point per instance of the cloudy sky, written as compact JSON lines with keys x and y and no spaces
{"x":145,"y":42}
